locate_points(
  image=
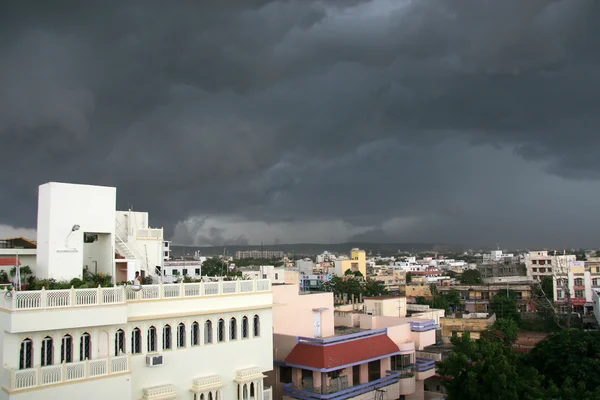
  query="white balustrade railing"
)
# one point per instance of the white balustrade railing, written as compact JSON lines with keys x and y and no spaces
{"x":66,"y":372}
{"x":197,"y":289}
{"x":63,"y":298}
{"x":71,"y":298}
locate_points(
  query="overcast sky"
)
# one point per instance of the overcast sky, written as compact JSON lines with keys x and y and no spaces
{"x":462,"y":121}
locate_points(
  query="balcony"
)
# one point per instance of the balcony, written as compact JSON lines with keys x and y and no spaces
{"x":425,"y":368}
{"x":422,"y":326}
{"x":407,"y":383}
{"x":340,"y":393}
{"x":40,"y":377}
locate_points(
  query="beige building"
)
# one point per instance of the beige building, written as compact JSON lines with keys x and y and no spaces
{"x":385,"y":306}
{"x":474,"y":323}
{"x":420,"y":290}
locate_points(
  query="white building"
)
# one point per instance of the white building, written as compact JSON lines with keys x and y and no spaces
{"x":141,"y":246}
{"x":497,"y":256}
{"x":167,"y":250}
{"x":540,"y":264}
{"x":325,"y":257}
{"x":305,"y":266}
{"x":164,"y":341}
{"x":176,"y":270}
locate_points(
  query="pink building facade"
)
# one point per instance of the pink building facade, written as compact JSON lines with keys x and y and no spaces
{"x":314,"y":359}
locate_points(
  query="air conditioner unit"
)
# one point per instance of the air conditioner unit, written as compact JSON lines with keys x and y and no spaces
{"x":154,"y":360}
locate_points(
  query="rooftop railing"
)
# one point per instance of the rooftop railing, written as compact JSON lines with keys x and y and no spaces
{"x":67,"y":298}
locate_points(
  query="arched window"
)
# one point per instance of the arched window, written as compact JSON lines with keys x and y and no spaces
{"x":208,"y":332}
{"x":256,"y":326}
{"x":151,"y":339}
{"x":232,"y":329}
{"x":180,"y":335}
{"x":26,"y":354}
{"x":210,"y":396}
{"x":47,"y":351}
{"x":119,"y":342}
{"x":66,"y":349}
{"x":85,"y":347}
{"x":245,"y":330}
{"x":221,"y":331}
{"x":167,"y":342}
{"x":136,"y":341}
{"x":195,"y":334}
{"x":252,"y":390}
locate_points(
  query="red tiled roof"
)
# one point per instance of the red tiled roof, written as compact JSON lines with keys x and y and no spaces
{"x":340,"y":354}
{"x":8,"y":262}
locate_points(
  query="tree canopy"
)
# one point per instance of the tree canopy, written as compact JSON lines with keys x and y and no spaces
{"x":217,"y":267}
{"x":563,"y":366}
{"x":449,"y":301}
{"x":471,"y":277}
{"x":504,"y":305}
{"x":352,"y":285}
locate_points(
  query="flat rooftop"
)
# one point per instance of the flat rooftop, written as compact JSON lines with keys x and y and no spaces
{"x":347,"y":330}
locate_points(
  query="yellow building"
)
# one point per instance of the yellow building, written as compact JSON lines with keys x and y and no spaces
{"x":418,"y":291}
{"x":357,"y":262}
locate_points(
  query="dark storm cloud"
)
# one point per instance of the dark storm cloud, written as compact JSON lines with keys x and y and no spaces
{"x":280,"y":114}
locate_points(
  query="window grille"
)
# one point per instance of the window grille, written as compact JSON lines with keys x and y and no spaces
{"x":66,"y":349}
{"x":167,"y":342}
{"x":232,"y":329}
{"x":208,"y":332}
{"x":85,"y":347}
{"x":181,"y":335}
{"x":119,"y":342}
{"x":26,"y":354}
{"x":195,"y":334}
{"x":151,"y":339}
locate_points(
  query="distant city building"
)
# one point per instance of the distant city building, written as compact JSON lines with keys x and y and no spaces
{"x":305,"y":266}
{"x":540,"y":264}
{"x":325,"y":257}
{"x":357,"y":263}
{"x":167,"y":250}
{"x":577,"y":286}
{"x":270,"y":254}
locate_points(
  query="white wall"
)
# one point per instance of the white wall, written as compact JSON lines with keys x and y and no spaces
{"x":60,"y":207}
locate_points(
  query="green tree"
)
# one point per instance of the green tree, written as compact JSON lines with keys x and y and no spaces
{"x":504,"y":329}
{"x":408,"y":278}
{"x":217,"y":267}
{"x":504,"y":305}
{"x":569,"y":354}
{"x":357,"y":274}
{"x":486,"y":369}
{"x":374,"y":287}
{"x":348,"y":285}
{"x":471,"y":277}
